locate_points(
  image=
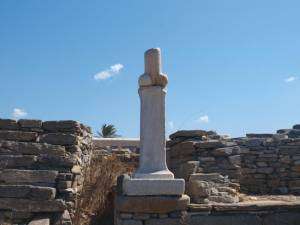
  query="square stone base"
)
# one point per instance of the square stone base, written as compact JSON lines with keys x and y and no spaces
{"x":139,"y":187}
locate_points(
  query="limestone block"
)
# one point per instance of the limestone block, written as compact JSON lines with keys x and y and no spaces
{"x":59,"y":139}
{"x":48,"y":162}
{"x":17,"y":161}
{"x":30,"y":123}
{"x":139,"y":187}
{"x":29,"y":148}
{"x":61,"y":126}
{"x":26,"y":205}
{"x":188,"y":134}
{"x":186,"y":169}
{"x":141,"y":216}
{"x":223,"y":151}
{"x":198,"y":189}
{"x":18,"y":135}
{"x":8,"y":124}
{"x":151,"y":204}
{"x":12,"y":176}
{"x":210,"y":144}
{"x":27,"y":192}
{"x":131,"y":222}
{"x":235,"y":219}
{"x":166,"y":221}
{"x":45,"y":221}
{"x":209,"y":177}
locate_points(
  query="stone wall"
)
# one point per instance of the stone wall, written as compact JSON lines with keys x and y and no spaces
{"x":271,"y":162}
{"x":260,"y":163}
{"x":41,"y":167}
{"x":258,"y":213}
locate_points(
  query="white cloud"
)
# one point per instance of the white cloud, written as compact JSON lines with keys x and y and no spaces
{"x":171,"y":125}
{"x":203,"y":119}
{"x":19,"y":113}
{"x":112,"y":71}
{"x":290,"y":79}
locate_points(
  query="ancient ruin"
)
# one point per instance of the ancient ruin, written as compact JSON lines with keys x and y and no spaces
{"x":197,"y":177}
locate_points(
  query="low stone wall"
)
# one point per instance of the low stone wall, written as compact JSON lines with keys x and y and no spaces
{"x":260,"y":163}
{"x":41,"y":169}
{"x":270,"y":165}
{"x":194,"y":151}
{"x":258,"y":213}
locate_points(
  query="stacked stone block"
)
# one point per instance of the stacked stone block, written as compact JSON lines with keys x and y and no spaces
{"x":41,"y":169}
{"x":151,"y":210}
{"x":210,"y":164}
{"x":271,"y":162}
{"x":198,"y":152}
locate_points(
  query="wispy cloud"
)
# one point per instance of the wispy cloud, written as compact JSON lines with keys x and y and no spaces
{"x":19,"y":113}
{"x":290,"y":79}
{"x":112,"y":71}
{"x":203,"y":119}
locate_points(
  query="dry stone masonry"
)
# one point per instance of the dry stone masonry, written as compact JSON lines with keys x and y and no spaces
{"x":210,"y":164}
{"x":271,"y":162}
{"x":41,"y":170}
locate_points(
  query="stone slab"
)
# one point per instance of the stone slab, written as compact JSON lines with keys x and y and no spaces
{"x":25,"y":123}
{"x":29,"y":148}
{"x":243,"y":219}
{"x":59,"y":139}
{"x":12,"y":176}
{"x":165,"y":221}
{"x":45,"y":221}
{"x":27,"y":192}
{"x":26,"y":205}
{"x":17,"y":161}
{"x":151,"y":204}
{"x":140,"y":187}
{"x":61,"y":126}
{"x":8,"y":124}
{"x":17,"y":135}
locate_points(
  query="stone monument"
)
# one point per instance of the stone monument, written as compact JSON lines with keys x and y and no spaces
{"x":151,"y":196}
{"x":153,"y":176}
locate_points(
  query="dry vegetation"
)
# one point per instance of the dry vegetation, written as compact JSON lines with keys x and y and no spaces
{"x":95,"y":204}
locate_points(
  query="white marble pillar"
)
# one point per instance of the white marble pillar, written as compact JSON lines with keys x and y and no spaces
{"x":153,"y":177}
{"x":152,"y":125}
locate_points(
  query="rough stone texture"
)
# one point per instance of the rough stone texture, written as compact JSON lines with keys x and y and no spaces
{"x":30,"y":124}
{"x":26,"y":205}
{"x":45,"y":221}
{"x":59,"y":139}
{"x":269,"y":165}
{"x":17,"y":135}
{"x":8,"y":124}
{"x":226,"y":220}
{"x":40,"y":164}
{"x":27,"y":192}
{"x":213,"y":187}
{"x":151,"y":204}
{"x":165,"y":221}
{"x":12,"y":176}
{"x":259,"y":163}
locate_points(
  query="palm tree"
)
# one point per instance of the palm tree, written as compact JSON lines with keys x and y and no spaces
{"x":107,"y":131}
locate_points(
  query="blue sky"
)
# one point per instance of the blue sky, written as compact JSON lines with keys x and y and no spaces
{"x":233,"y":66}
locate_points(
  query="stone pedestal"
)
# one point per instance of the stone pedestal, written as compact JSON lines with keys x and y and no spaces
{"x":151,"y":210}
